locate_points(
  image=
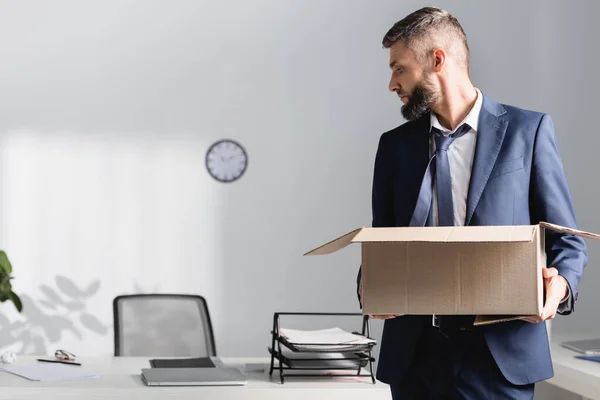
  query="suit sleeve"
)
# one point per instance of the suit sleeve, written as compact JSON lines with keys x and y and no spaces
{"x":381,"y":195}
{"x":550,"y":201}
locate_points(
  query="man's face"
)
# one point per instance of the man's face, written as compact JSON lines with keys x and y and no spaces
{"x":410,"y":82}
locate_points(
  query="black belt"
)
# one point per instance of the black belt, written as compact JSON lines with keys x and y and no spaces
{"x":453,"y":323}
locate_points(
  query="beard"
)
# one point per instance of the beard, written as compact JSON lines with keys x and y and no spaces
{"x":419,"y":101}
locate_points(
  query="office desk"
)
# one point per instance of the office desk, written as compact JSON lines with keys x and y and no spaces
{"x":120,"y":379}
{"x":578,"y":376}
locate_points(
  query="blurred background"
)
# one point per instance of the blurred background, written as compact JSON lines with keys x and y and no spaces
{"x":107,"y":109}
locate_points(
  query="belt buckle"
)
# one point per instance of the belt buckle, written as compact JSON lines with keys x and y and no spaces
{"x":435,"y":321}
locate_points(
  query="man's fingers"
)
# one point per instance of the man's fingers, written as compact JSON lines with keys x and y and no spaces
{"x":383,"y":316}
{"x":533,"y":320}
{"x":549,"y":310}
{"x":555,"y":288}
{"x":550,"y":307}
{"x":545,"y":315}
{"x":549,"y":272}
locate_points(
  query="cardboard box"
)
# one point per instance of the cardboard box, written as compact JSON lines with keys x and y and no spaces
{"x":494,"y":272}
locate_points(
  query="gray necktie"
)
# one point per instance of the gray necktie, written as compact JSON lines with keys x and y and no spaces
{"x":440,"y":168}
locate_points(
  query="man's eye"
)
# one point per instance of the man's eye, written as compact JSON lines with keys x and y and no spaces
{"x":400,"y":70}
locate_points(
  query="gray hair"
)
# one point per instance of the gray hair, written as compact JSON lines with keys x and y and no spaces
{"x":427,"y":29}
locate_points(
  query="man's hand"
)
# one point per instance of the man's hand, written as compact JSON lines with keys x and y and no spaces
{"x":360,"y":290}
{"x":556,"y":290}
{"x":384,"y":316}
{"x":381,"y":316}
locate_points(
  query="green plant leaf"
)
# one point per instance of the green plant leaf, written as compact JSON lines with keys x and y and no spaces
{"x":16,"y":301}
{"x":5,"y":290}
{"x":5,"y":265}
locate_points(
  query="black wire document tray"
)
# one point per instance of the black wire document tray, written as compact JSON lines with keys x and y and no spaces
{"x":351,"y":356}
{"x":327,"y":360}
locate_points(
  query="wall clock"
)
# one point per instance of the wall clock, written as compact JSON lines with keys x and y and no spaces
{"x":226,"y":160}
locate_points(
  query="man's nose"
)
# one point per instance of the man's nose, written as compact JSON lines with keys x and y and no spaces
{"x":393,"y":85}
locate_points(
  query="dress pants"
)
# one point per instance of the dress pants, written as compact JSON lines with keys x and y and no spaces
{"x":456,"y":364}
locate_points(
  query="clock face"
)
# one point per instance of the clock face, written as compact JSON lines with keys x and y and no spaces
{"x":226,"y":160}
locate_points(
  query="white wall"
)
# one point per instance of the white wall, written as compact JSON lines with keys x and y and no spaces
{"x":107,"y":112}
{"x":107,"y":109}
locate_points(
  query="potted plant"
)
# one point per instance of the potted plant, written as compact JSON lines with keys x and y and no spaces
{"x":6,"y":292}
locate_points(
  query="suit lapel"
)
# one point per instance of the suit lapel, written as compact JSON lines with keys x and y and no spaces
{"x":420,"y":155}
{"x":414,"y":162}
{"x":490,"y":134}
{"x":421,"y":144}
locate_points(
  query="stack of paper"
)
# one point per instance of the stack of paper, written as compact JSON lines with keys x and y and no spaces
{"x":330,"y":339}
{"x":47,"y":372}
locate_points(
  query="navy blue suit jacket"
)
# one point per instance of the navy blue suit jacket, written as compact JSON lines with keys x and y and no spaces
{"x":517,"y":179}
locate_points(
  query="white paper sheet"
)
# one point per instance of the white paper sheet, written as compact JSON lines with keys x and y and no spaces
{"x":47,"y":372}
{"x":330,"y":336}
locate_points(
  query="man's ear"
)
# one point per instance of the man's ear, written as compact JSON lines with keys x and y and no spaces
{"x":439,"y":60}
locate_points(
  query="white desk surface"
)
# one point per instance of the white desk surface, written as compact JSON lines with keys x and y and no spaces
{"x":120,"y":379}
{"x":572,"y":374}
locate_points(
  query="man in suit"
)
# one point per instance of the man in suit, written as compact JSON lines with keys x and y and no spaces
{"x":488,"y":164}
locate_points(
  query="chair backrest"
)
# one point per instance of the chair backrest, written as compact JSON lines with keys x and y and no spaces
{"x":162,"y":325}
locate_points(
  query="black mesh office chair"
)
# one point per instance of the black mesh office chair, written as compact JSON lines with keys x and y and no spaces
{"x":162,"y":325}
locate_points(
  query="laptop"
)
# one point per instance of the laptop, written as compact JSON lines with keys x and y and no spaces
{"x":198,"y":362}
{"x":193,"y":377}
{"x":588,"y":347}
{"x":219,"y":375}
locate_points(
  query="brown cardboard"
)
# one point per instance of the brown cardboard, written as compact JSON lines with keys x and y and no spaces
{"x":494,"y":272}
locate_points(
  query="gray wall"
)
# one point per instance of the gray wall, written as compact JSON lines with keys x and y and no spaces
{"x":107,"y":109}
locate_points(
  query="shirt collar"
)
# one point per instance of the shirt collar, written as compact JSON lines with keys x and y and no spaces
{"x":472,"y":117}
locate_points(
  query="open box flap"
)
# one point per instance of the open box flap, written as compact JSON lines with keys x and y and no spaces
{"x":335,"y":244}
{"x":448,"y":234}
{"x":564,"y":229}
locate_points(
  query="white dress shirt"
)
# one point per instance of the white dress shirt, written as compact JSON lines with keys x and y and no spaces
{"x":460,"y":157}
